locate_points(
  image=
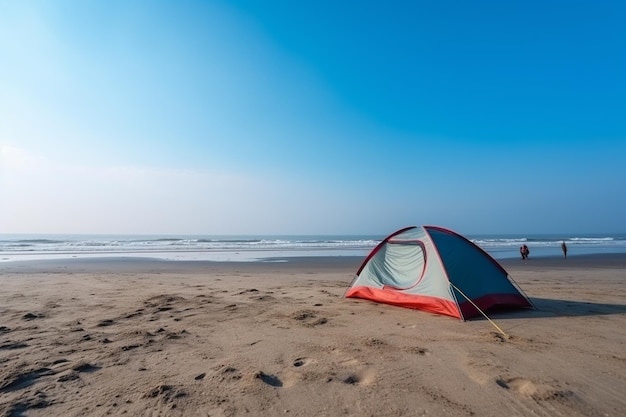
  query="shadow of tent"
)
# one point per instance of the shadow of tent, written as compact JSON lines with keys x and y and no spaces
{"x":548,"y":307}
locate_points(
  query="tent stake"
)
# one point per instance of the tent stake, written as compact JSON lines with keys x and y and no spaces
{"x":481,"y":312}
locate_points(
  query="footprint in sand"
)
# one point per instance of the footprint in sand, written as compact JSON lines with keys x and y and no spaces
{"x":355,"y":373}
{"x":268,"y":379}
{"x":365,"y":377}
{"x":538,"y":392}
{"x":299,"y":362}
{"x":226,"y":373}
{"x":418,"y":350}
{"x":375,"y":342}
{"x":165,"y":392}
{"x":308,"y":318}
{"x":520,"y":385}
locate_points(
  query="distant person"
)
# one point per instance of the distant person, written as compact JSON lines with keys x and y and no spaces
{"x":564,"y":249}
{"x":524,"y":251}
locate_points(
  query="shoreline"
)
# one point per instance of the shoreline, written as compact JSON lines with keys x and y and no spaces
{"x":344,"y":263}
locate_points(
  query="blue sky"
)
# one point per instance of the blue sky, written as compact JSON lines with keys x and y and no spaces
{"x":284,"y":117}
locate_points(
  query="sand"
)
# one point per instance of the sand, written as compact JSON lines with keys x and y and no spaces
{"x":148,"y":338}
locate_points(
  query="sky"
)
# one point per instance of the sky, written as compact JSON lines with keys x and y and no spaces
{"x":296,"y":117}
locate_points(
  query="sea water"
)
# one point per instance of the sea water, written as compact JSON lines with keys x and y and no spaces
{"x":549,"y":245}
{"x":273,"y":248}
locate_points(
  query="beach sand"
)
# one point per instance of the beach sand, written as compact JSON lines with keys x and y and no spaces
{"x":137,"y":337}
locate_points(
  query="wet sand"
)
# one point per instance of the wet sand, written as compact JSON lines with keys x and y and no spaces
{"x":138,"y":337}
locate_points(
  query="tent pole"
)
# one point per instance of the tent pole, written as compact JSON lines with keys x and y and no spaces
{"x":481,"y":312}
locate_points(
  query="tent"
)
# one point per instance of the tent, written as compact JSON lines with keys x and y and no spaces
{"x":434,"y":269}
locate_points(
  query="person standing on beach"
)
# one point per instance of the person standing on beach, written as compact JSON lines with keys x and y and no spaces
{"x":524,"y":251}
{"x":564,"y":248}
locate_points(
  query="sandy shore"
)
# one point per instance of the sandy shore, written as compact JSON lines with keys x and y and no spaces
{"x":151,"y":338}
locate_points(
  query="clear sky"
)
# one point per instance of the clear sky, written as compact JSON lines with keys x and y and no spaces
{"x":312,"y":117}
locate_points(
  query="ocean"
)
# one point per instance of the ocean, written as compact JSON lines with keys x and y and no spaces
{"x":276,"y":248}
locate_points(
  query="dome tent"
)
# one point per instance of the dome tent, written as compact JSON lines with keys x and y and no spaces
{"x":434,"y":269}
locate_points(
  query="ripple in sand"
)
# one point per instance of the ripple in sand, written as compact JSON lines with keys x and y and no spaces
{"x":20,"y":407}
{"x":106,"y":322}
{"x":86,"y":367}
{"x":18,"y":381}
{"x":32,"y":316}
{"x":10,"y":345}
